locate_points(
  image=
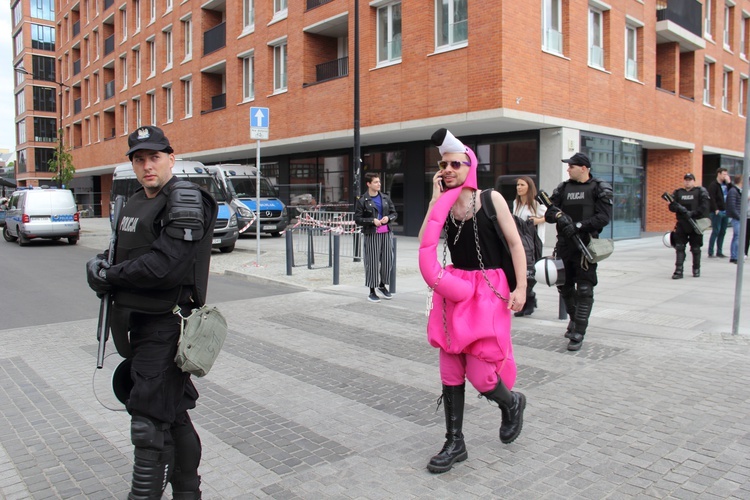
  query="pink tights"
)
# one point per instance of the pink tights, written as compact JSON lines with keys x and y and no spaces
{"x":455,"y":368}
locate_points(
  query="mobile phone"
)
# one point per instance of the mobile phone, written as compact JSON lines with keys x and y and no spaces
{"x":442,"y":185}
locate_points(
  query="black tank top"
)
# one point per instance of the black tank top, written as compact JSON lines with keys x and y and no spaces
{"x":464,"y":252}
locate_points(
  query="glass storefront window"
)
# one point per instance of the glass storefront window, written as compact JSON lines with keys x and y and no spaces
{"x":390,"y":166}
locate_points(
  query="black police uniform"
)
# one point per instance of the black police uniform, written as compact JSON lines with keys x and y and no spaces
{"x":589,"y":205}
{"x":162,"y":259}
{"x":696,"y":203}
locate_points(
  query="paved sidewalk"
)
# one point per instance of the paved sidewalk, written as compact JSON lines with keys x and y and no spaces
{"x":321,"y":394}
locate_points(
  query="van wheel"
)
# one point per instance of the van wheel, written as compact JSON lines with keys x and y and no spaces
{"x":22,"y":240}
{"x":72,"y":241}
{"x":8,"y":237}
{"x":226,"y":249}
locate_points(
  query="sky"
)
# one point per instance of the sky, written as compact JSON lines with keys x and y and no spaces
{"x":7,"y":104}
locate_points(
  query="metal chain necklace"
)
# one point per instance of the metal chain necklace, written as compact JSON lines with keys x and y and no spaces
{"x":481,"y":264}
{"x":469,"y":209}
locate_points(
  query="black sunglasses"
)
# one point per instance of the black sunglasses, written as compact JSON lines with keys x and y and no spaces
{"x":455,"y":165}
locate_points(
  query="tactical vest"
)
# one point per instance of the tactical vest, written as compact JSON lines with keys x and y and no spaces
{"x":579,"y":199}
{"x":688,"y":199}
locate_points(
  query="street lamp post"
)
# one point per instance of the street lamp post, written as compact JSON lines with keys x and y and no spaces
{"x":60,"y":143}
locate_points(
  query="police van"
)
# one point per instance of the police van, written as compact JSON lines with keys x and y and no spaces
{"x":41,"y":212}
{"x":240,"y":183}
{"x":125,"y":183}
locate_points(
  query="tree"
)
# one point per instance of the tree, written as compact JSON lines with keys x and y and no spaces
{"x":61,"y":163}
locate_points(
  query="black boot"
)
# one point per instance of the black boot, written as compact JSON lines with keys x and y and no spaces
{"x":696,"y":262}
{"x":584,"y":304}
{"x":511,"y":405}
{"x":185,"y":479}
{"x":679,"y":261}
{"x":454,"y":449}
{"x":568,"y":295}
{"x":153,"y":458}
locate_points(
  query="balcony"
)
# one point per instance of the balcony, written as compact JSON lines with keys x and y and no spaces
{"x":311,"y":4}
{"x":332,"y":69}
{"x":76,"y":28}
{"x":109,"y":45}
{"x":218,"y":102}
{"x":215,"y":38}
{"x":76,"y":106}
{"x":76,"y":66}
{"x":680,"y":21}
{"x":109,"y":90}
{"x":108,"y":4}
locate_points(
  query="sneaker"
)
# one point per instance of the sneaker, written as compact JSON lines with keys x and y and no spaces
{"x":576,"y":340}
{"x":696,"y":273}
{"x":721,"y":255}
{"x":732,"y":261}
{"x":373,"y":297}
{"x":677,"y":276}
{"x":386,"y":294}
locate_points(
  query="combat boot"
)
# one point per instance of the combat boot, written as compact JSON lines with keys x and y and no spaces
{"x":511,"y":405}
{"x":454,"y":449}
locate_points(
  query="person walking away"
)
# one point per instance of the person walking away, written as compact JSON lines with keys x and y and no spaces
{"x":718,"y":191}
{"x":734,"y":208}
{"x":161,"y":261}
{"x":582,"y":207}
{"x":526,"y":207}
{"x":374,"y":212}
{"x":690,"y":202}
{"x":471,"y":301}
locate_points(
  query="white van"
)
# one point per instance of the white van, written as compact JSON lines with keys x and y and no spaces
{"x":240,"y":182}
{"x":125,"y":183}
{"x":42,"y":213}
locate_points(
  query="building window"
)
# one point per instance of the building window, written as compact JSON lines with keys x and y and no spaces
{"x":137,"y":15}
{"x":168,"y":103}
{"x":96,"y":45}
{"x":97,"y":134}
{"x":21,"y":131}
{"x":42,"y":38}
{"x":279,"y":67}
{"x":43,"y":9}
{"x":21,"y":101}
{"x":451,"y":23}
{"x":187,"y":97}
{"x":169,"y":7}
{"x":187,"y":31}
{"x":728,"y":31}
{"x":726,"y":90}
{"x":17,"y":13}
{"x":248,"y":77}
{"x":707,"y":70}
{"x":152,"y":106}
{"x":138,"y":112}
{"x":18,"y":39}
{"x":248,"y":15}
{"x":124,"y":114}
{"x":743,"y":36}
{"x":124,"y":72}
{"x":279,"y":7}
{"x":87,"y":123}
{"x":552,"y":26}
{"x":124,"y":23}
{"x":743,"y":96}
{"x":168,"y":49}
{"x":596,"y":38}
{"x":389,"y":33}
{"x":42,"y":157}
{"x":44,"y":99}
{"x":152,"y":11}
{"x":45,"y":129}
{"x":631,"y":52}
{"x":707,"y":20}
{"x":137,"y":65}
{"x":43,"y":68}
{"x":152,"y":57}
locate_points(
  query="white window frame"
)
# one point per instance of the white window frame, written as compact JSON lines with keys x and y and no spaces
{"x":727,"y":27}
{"x":187,"y":94}
{"x":137,"y":65}
{"x":248,"y":16}
{"x":707,"y":81}
{"x":280,"y":65}
{"x":187,"y":38}
{"x":726,"y":75}
{"x":169,"y":55}
{"x":124,"y":71}
{"x":21,"y":130}
{"x":124,"y":116}
{"x":138,"y":112}
{"x":552,"y":26}
{"x":743,"y":35}
{"x":97,"y":127}
{"x":248,"y":76}
{"x":169,"y":102}
{"x":631,"y":63}
{"x":137,"y":16}
{"x":88,"y":130}
{"x":280,"y":8}
{"x":124,"y":23}
{"x":20,"y":102}
{"x":451,"y":23}
{"x":151,"y":44}
{"x":742,"y":105}
{"x":96,"y":86}
{"x":169,"y":6}
{"x":152,"y":11}
{"x":708,"y":7}
{"x":152,"y":106}
{"x":596,"y":51}
{"x":385,"y":29}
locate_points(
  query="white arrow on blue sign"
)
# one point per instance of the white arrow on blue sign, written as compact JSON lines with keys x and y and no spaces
{"x":259,"y":117}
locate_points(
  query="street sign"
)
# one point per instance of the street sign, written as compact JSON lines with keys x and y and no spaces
{"x":259,"y":122}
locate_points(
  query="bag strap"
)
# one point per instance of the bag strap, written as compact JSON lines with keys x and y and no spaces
{"x":489,"y":210}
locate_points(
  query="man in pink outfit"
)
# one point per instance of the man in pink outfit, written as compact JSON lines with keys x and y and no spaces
{"x":470,"y":317}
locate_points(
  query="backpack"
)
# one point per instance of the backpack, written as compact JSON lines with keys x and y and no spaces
{"x":532,"y":244}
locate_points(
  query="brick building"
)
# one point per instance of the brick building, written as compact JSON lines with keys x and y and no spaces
{"x":649,"y":89}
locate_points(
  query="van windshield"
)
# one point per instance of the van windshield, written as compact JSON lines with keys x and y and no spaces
{"x":244,"y":187}
{"x":208,"y":184}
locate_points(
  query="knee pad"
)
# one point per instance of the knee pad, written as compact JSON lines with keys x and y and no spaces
{"x":147,"y":433}
{"x":585,"y":290}
{"x":680,"y":247}
{"x":566,"y":291}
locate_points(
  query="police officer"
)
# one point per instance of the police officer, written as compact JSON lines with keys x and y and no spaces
{"x":161,"y":260}
{"x":582,"y":206}
{"x":690,"y":202}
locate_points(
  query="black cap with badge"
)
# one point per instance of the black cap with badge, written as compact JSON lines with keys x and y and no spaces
{"x":689,"y":176}
{"x":148,"y":138}
{"x":579,"y":159}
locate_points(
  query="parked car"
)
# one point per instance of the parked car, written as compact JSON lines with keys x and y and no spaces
{"x":41,"y":213}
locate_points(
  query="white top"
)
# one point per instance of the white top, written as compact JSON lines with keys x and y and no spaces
{"x":524,"y":212}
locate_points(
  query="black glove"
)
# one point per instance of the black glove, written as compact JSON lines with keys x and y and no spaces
{"x":97,"y":277}
{"x":566,"y":227}
{"x":677,"y":208}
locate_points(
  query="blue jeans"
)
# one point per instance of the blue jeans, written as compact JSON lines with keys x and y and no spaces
{"x":719,"y":224}
{"x":734,"y":245}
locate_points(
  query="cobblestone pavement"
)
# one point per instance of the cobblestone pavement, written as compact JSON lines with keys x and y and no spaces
{"x":321,"y":394}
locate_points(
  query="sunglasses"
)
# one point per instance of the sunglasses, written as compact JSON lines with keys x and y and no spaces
{"x":455,"y":165}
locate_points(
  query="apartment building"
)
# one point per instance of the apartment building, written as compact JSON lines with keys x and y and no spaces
{"x":649,"y":89}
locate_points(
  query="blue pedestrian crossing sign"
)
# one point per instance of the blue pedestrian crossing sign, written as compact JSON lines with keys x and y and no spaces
{"x":259,"y":121}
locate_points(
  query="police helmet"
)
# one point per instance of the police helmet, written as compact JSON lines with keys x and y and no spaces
{"x":668,"y":239}
{"x":550,"y":271}
{"x":122,"y":384}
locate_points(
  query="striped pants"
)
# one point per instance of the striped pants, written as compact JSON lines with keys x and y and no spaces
{"x":378,"y":250}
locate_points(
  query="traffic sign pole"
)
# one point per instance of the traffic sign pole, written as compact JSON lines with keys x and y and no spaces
{"x":260,"y":119}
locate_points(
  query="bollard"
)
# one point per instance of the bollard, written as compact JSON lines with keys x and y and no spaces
{"x":561,"y":313}
{"x":336,"y":254}
{"x":392,"y":287}
{"x":357,"y":246}
{"x":310,"y":249}
{"x":289,"y":252}
{"x":330,"y":249}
